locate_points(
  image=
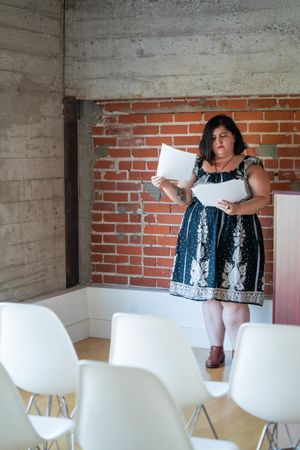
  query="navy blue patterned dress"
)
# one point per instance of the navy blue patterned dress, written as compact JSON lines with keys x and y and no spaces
{"x":219,"y":256}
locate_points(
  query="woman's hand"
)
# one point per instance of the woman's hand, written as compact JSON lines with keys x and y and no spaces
{"x":229,"y":208}
{"x":159,"y":182}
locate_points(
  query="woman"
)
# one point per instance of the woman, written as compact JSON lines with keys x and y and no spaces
{"x":220,"y":254}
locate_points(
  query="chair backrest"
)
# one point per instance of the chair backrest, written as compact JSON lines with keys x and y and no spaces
{"x":126,"y":408}
{"x":16,"y":430}
{"x":158,"y":345}
{"x":36,"y":350}
{"x":264,"y":378}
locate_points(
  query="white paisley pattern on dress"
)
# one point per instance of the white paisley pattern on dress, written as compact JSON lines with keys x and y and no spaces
{"x":219,"y":256}
{"x":199,"y":266}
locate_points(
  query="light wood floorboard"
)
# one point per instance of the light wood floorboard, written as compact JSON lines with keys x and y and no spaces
{"x":230,"y":421}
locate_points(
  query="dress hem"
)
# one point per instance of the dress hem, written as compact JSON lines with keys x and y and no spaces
{"x":225,"y":295}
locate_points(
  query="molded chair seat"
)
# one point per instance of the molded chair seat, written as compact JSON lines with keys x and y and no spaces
{"x":17,"y":429}
{"x":127,"y":408}
{"x":38,"y":354}
{"x":264,"y":378}
{"x":158,"y":345}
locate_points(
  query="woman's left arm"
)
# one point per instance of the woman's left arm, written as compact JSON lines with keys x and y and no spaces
{"x":259,"y":183}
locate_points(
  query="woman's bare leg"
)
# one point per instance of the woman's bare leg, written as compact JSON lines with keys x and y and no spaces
{"x":213,"y":319}
{"x":234,"y":315}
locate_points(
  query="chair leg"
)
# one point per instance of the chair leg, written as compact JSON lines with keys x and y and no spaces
{"x":270,"y":431}
{"x":64,"y":410}
{"x":192,"y":422}
{"x":210,"y":422}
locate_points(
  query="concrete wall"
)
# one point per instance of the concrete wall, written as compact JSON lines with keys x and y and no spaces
{"x":168,"y":48}
{"x":32,"y":247}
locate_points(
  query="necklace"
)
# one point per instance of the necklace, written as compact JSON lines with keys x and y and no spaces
{"x":223,"y":167}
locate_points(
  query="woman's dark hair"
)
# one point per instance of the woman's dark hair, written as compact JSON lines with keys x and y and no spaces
{"x":205,"y":145}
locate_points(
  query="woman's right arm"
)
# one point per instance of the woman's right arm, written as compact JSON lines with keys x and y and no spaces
{"x":179,"y":192}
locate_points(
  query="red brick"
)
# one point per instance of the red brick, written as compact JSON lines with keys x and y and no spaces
{"x":103,"y":248}
{"x":159,"y":118}
{"x":102,"y":206}
{"x":263,"y":127}
{"x":174,"y":129}
{"x":231,"y":103}
{"x":144,"y":105}
{"x":157,"y":272}
{"x":261,"y":103}
{"x":158,"y":141}
{"x":104,"y":164}
{"x":151,"y":262}
{"x":148,"y":282}
{"x":144,"y":153}
{"x":145,"y":130}
{"x":163,"y":283}
{"x":156,"y":208}
{"x":116,"y":259}
{"x":135,"y":260}
{"x":115,"y":239}
{"x":156,"y":251}
{"x":128,"y":186}
{"x":188,"y":117}
{"x":279,"y":115}
{"x":135,"y":270}
{"x":132,"y":118}
{"x":115,"y":175}
{"x":149,"y":239}
{"x":97,"y":279}
{"x":289,"y":127}
{"x":131,"y":142}
{"x":186,"y":140}
{"x":115,"y":196}
{"x":116,"y":106}
{"x":167,"y":241}
{"x":119,"y":152}
{"x":129,"y":250}
{"x":115,"y":218}
{"x":165,"y":262}
{"x":156,"y":229}
{"x":113,"y":279}
{"x":289,"y":102}
{"x":128,"y":228}
{"x":105,"y":140}
{"x":108,"y":268}
{"x":103,"y":227}
{"x":276,"y":139}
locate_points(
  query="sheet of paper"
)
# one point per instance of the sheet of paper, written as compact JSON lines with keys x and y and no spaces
{"x":210,"y":194}
{"x":175,"y":164}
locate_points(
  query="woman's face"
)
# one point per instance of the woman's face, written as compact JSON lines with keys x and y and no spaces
{"x":222,"y":142}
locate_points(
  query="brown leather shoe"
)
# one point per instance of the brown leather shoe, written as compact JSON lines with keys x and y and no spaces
{"x":216,"y":357}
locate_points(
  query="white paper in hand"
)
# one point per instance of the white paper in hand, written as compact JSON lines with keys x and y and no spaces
{"x":175,"y":164}
{"x":210,"y":194}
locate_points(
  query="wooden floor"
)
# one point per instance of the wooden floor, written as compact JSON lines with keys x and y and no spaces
{"x":230,"y":421}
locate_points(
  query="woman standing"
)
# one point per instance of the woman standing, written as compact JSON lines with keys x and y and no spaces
{"x":220,"y":254}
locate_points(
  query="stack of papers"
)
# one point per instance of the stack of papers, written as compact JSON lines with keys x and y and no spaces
{"x":175,"y":164}
{"x":210,"y":194}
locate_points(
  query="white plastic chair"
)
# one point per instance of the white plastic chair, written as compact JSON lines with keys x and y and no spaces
{"x":264,"y":379}
{"x":19,"y":430}
{"x":127,"y":408}
{"x":158,"y":345}
{"x":38,"y":354}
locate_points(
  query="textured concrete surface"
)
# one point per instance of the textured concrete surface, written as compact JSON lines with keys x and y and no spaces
{"x":168,"y":48}
{"x":32,"y":230}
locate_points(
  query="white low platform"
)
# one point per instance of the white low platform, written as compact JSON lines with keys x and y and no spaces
{"x":87,"y":311}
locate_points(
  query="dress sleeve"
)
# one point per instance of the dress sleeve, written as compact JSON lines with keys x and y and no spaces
{"x":197,"y":165}
{"x":249,"y":160}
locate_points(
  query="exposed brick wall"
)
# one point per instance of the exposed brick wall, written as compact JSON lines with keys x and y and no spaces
{"x":134,"y":228}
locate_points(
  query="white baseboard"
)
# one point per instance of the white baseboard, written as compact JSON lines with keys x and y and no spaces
{"x":87,"y":311}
